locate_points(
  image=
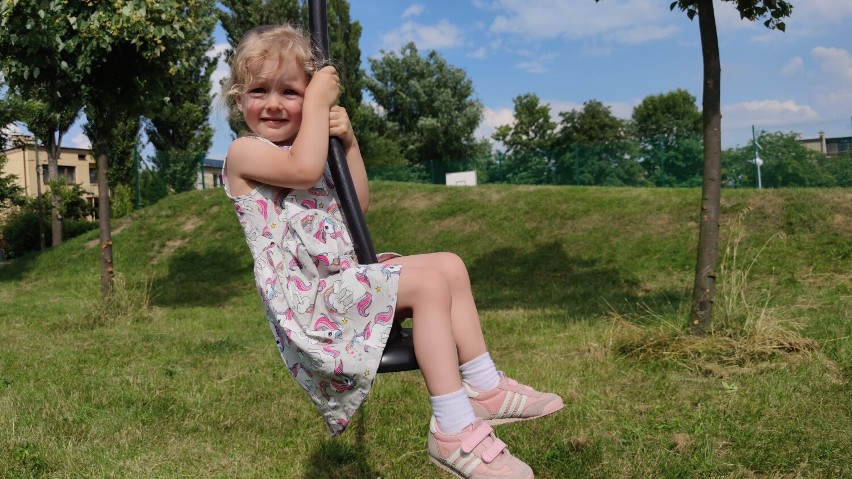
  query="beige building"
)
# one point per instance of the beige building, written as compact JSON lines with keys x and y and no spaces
{"x":29,"y":165}
{"x":829,"y":146}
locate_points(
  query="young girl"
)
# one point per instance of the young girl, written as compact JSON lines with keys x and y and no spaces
{"x":330,"y":315}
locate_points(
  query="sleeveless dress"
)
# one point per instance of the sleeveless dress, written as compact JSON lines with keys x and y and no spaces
{"x":330,"y":315}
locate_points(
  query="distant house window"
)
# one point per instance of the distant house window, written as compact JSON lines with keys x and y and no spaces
{"x":93,"y":176}
{"x":81,"y":157}
{"x":217,"y":181}
{"x":67,"y":172}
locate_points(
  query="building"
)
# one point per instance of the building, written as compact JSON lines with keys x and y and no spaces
{"x":28,"y":164}
{"x":211,"y":176}
{"x":829,"y":146}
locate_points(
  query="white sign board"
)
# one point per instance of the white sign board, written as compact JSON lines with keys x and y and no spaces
{"x":462,"y":178}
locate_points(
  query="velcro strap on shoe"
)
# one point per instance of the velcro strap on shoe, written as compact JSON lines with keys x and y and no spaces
{"x":478,"y":435}
{"x":494,"y":450}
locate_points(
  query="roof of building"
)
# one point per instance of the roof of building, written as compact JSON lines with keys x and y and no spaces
{"x":214,"y":163}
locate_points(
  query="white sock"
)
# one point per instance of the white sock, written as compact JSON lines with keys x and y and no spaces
{"x":480,"y":373}
{"x":452,"y":411}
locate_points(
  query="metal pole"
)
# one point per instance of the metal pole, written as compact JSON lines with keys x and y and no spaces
{"x":757,"y":160}
{"x":349,"y":203}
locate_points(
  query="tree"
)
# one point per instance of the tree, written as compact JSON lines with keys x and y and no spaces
{"x":10,"y":191}
{"x":179,"y":130}
{"x":120,"y":56}
{"x":704,"y":285}
{"x":594,"y":148}
{"x":240,"y":16}
{"x":430,"y":102}
{"x":668,"y":129}
{"x":529,"y":142}
{"x":786,"y":163}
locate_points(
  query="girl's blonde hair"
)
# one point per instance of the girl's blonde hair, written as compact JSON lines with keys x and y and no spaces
{"x":268,"y":42}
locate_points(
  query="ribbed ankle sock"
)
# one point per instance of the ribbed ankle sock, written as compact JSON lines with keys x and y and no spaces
{"x":452,"y":411}
{"x":480,"y":373}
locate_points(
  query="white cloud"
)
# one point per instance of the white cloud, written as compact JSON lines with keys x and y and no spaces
{"x":793,"y":66}
{"x":835,"y":62}
{"x":413,"y":10}
{"x":539,"y":64}
{"x":577,"y":18}
{"x":767,"y":113}
{"x":81,"y":141}
{"x":222,"y":69}
{"x":426,"y":37}
{"x":835,"y":81}
{"x":479,"y":53}
{"x":645,"y":33}
{"x":492,"y":119}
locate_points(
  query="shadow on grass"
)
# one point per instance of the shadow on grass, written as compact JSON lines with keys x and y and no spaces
{"x":337,"y":459}
{"x":16,"y":269}
{"x":546,"y":277}
{"x":202,"y":278}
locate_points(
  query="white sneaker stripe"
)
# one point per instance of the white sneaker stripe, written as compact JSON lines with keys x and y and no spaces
{"x":455,"y":455}
{"x":521,"y":405}
{"x":513,"y":410}
{"x":506,"y":402}
{"x":473,"y":465}
{"x":459,"y":464}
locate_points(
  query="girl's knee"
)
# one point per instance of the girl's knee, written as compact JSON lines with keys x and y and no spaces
{"x":454,"y":269}
{"x":424,"y":286}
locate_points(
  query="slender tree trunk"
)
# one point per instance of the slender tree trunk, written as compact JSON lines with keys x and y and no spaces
{"x":104,"y":223}
{"x":39,"y":199}
{"x":53,"y":172}
{"x":704,"y":288}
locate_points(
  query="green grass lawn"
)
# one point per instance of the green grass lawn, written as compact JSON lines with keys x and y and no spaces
{"x":181,"y":378}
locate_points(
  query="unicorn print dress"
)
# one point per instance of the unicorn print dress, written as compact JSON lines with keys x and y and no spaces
{"x":330,"y":315}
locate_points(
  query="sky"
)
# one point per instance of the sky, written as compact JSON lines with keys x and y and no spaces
{"x":568,"y":52}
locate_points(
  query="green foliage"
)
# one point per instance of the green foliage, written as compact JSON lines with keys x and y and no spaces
{"x":529,"y":143}
{"x":668,"y":128}
{"x":752,"y":10}
{"x":21,"y":232}
{"x":121,"y":201}
{"x":600,"y":139}
{"x":429,"y":103}
{"x":178,"y":169}
{"x":786,"y":163}
{"x":153,"y":187}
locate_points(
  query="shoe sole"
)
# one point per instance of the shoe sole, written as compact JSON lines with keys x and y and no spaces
{"x":507,"y":420}
{"x":456,"y":474}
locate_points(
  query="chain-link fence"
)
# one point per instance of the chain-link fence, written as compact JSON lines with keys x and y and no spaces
{"x":663,"y":163}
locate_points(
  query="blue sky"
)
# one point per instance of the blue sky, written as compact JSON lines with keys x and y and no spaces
{"x":618,"y":52}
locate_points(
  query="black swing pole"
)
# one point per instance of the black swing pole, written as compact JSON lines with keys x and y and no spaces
{"x":349,"y":203}
{"x":399,"y":350}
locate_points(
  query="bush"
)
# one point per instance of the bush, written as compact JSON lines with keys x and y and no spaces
{"x":21,"y":232}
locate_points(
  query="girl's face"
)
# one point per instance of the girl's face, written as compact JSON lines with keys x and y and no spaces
{"x":272,"y":103}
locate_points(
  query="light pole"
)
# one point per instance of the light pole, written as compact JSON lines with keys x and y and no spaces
{"x":757,"y":160}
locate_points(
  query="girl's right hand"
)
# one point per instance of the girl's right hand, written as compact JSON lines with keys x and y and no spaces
{"x":325,"y":86}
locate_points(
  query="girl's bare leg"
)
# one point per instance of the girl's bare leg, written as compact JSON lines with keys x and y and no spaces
{"x":428,"y":295}
{"x":466,"y":328}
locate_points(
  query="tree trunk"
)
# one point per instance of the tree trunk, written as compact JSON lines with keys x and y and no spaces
{"x":53,"y":173}
{"x":704,"y":288}
{"x":103,"y":221}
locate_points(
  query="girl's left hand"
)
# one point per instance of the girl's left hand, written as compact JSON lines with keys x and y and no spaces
{"x":340,"y":126}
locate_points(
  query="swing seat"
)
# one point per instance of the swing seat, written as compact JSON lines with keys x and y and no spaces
{"x":399,"y":351}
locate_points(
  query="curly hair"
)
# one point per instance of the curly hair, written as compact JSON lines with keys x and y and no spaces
{"x":281,"y":42}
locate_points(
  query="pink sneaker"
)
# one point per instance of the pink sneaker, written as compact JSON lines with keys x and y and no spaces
{"x":474,"y":453}
{"x":511,"y":401}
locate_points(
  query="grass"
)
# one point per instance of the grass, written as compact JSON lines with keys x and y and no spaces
{"x":180,"y":377}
